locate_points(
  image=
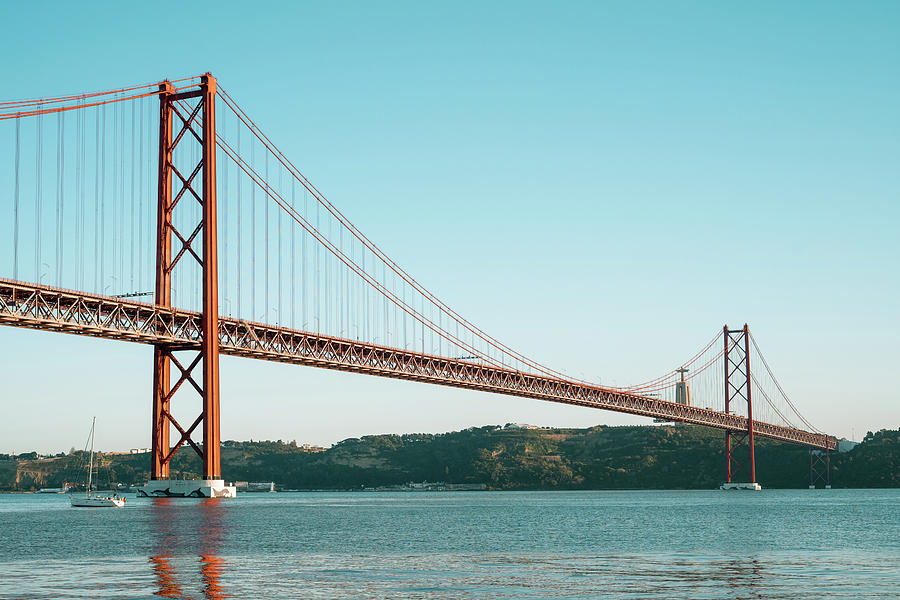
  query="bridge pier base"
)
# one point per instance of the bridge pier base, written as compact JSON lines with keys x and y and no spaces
{"x":187,"y":488}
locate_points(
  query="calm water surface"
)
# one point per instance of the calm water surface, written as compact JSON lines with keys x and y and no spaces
{"x":773,"y":544}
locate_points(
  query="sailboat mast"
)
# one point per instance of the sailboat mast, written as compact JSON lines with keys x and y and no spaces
{"x":91,"y":467}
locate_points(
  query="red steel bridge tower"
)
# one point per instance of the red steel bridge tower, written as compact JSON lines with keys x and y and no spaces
{"x":738,"y":389}
{"x":190,"y":111}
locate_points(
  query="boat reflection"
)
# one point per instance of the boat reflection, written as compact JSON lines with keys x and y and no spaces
{"x":188,"y":537}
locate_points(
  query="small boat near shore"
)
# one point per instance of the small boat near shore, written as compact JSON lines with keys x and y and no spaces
{"x":98,"y":502}
{"x":90,"y":500}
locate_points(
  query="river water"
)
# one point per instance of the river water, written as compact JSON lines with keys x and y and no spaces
{"x":605,"y":544}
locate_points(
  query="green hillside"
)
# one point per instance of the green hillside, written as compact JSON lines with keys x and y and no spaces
{"x":638,"y":457}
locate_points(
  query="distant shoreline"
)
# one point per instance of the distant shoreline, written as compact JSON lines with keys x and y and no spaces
{"x":511,"y":457}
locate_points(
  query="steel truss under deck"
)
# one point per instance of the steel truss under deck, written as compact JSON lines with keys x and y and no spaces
{"x":41,"y":307}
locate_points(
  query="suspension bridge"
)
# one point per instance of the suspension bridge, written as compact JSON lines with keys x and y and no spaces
{"x":140,"y":214}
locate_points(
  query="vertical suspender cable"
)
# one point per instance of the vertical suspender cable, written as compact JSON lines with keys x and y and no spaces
{"x":116,"y":198}
{"x":141,"y":221}
{"x":97,"y":288}
{"x":365,"y":300}
{"x":61,"y":145}
{"x":303,"y":265}
{"x":83,"y":195}
{"x":37,"y":204}
{"x":122,"y":199}
{"x":132,"y":208}
{"x":152,"y":204}
{"x":318,"y":291}
{"x":103,"y":205}
{"x":16,"y":206}
{"x":347,"y":282}
{"x":280,"y":318}
{"x":328,"y":313}
{"x":253,"y":315}
{"x":240,"y":231}
{"x":384,"y":324}
{"x":266,"y":240}
{"x":114,"y":254}
{"x":225,"y":215}
{"x":351,"y":300}
{"x":293,"y":259}
{"x":57,"y":243}
{"x":79,"y":244}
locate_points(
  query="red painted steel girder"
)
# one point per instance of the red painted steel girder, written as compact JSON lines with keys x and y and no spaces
{"x":52,"y":309}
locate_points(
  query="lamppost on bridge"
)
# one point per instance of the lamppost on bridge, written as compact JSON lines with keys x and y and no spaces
{"x":109,"y":285}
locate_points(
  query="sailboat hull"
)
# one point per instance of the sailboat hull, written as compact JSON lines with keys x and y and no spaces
{"x":97,"y":502}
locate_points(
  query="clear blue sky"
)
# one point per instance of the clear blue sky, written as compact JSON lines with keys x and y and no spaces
{"x":600,"y":185}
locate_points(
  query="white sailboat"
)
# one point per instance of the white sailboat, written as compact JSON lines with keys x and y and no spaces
{"x":90,"y":500}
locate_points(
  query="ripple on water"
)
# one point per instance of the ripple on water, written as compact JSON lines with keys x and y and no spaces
{"x":698,"y":545}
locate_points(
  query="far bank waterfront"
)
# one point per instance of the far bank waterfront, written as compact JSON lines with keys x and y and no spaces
{"x":512,"y":457}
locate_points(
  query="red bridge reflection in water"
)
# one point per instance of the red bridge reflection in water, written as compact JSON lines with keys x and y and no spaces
{"x":186,"y":529}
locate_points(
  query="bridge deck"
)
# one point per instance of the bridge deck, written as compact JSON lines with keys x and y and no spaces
{"x":42,"y":307}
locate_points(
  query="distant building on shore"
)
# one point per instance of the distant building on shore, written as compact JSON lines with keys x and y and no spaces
{"x":429,"y":486}
{"x":255,"y":486}
{"x":309,"y":448}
